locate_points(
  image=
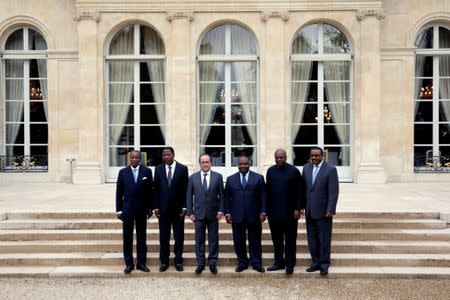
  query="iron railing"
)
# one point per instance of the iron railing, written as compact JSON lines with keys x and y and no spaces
{"x":23,"y":163}
{"x":432,"y":164}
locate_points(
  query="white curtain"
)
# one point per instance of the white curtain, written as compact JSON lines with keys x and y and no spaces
{"x":42,"y":70}
{"x":14,"y":67}
{"x":154,"y":45}
{"x":444,"y":70}
{"x":421,"y":42}
{"x":120,"y":93}
{"x":337,"y":92}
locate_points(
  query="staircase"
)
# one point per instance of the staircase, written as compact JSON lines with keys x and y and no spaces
{"x":365,"y":245}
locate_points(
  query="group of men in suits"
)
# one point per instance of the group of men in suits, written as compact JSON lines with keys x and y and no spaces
{"x":246,"y":201}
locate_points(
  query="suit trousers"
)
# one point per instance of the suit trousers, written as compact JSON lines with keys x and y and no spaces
{"x":177,"y":224}
{"x":141,"y":238}
{"x":213,"y":241}
{"x":254,"y":243}
{"x":319,"y":233}
{"x":284,"y":238}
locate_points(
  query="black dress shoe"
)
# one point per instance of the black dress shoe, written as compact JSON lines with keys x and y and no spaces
{"x":163,"y":267}
{"x":313,"y":269}
{"x":289,"y":270}
{"x":179,"y":267}
{"x":259,"y":269}
{"x":199,"y":269}
{"x":213,"y":269}
{"x":275,"y":267}
{"x":324,"y":271}
{"x":240,"y":269}
{"x":128,"y":269}
{"x":143,"y":268}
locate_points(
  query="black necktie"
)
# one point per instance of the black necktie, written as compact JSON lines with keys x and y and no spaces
{"x":244,"y":181}
{"x":205,"y":183}
{"x":169,"y":175}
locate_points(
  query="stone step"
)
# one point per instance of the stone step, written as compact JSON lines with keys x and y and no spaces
{"x":226,"y":234}
{"x":226,"y":259}
{"x":55,"y":246}
{"x":357,"y":223}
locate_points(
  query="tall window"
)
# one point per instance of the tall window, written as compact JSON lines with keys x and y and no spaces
{"x":25,"y":101}
{"x":321,"y":94}
{"x":432,"y":99}
{"x":135,"y":95}
{"x":227,"y":95}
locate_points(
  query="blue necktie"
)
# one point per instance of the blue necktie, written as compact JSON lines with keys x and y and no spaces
{"x":244,"y":181}
{"x":169,"y":175}
{"x":315,"y":171}
{"x":135,"y":174}
{"x":205,"y":183}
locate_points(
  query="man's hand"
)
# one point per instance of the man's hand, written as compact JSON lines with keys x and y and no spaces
{"x":182,"y":213}
{"x":119,"y":216}
{"x":329,"y":215}
{"x":229,"y":219}
{"x":262,"y":217}
{"x":297,"y":214}
{"x":192,"y":217}
{"x":219,"y":216}
{"x":157,"y":213}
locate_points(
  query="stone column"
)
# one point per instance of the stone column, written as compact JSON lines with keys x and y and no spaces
{"x":274,"y":106}
{"x":180,"y":78}
{"x":88,"y":167}
{"x":370,"y":168}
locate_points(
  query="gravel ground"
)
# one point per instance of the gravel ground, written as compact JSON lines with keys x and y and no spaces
{"x":221,"y":288}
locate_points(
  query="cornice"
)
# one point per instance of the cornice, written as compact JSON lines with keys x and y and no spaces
{"x":86,"y":15}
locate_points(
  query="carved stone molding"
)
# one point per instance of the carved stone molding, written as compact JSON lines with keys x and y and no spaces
{"x":282,"y":14}
{"x":172,"y":15}
{"x":86,"y":15}
{"x":363,"y":13}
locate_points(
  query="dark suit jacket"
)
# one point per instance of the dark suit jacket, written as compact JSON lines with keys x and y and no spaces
{"x":170,"y":200}
{"x":205,"y":205}
{"x":245,"y":204}
{"x":322,"y":196}
{"x":134,"y":199}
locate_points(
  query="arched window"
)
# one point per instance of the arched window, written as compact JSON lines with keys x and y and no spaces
{"x":321,"y":75}
{"x":432,"y":99}
{"x":135,"y":96}
{"x":25,"y":101}
{"x":228,"y":95}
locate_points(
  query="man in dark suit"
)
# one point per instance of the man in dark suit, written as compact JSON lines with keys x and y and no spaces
{"x":205,"y":206}
{"x":322,"y":190}
{"x":245,"y":205}
{"x":171,"y":178}
{"x":134,"y":198}
{"x":284,"y":204}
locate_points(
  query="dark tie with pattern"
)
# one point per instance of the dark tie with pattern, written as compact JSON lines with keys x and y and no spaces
{"x":169,"y":175}
{"x":244,"y":181}
{"x":205,"y":183}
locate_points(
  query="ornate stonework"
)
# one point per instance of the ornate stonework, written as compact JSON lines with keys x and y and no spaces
{"x":172,"y":15}
{"x":283,"y":15}
{"x":378,"y":13}
{"x":86,"y":15}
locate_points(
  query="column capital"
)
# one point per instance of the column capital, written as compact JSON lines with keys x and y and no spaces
{"x":86,"y":15}
{"x":282,"y":14}
{"x":379,"y":13}
{"x":172,"y":15}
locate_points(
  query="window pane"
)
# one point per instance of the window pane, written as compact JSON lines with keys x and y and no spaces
{"x":151,"y":43}
{"x":14,"y":111}
{"x":337,"y":92}
{"x":14,"y":89}
{"x":12,"y":152}
{"x":444,"y":38}
{"x":334,"y":41}
{"x":38,"y":111}
{"x":211,"y":71}
{"x":123,"y":41}
{"x":444,"y":133}
{"x":36,"y":41}
{"x":38,"y":133}
{"x":444,"y":66}
{"x":121,"y":135}
{"x":152,"y":135}
{"x":118,"y":156}
{"x":212,"y":114}
{"x":121,"y":93}
{"x":153,"y":155}
{"x":303,"y":70}
{"x":424,"y":111}
{"x":39,"y":151}
{"x":243,"y":135}
{"x":301,"y":155}
{"x":336,"y":134}
{"x":306,"y":40}
{"x":304,"y":92}
{"x":243,"y":92}
{"x":153,"y":114}
{"x":424,"y":89}
{"x":243,"y":114}
{"x":214,"y":41}
{"x":337,"y":156}
{"x":243,"y":71}
{"x":424,"y":39}
{"x":444,"y":89}
{"x":424,"y":66}
{"x":121,"y":114}
{"x":336,"y":70}
{"x":217,"y":155}
{"x":212,"y":92}
{"x":445,"y":151}
{"x":14,"y":68}
{"x":242,"y":41}
{"x":423,"y":134}
{"x":38,"y":68}
{"x":248,"y":151}
{"x":121,"y":71}
{"x":444,"y":111}
{"x":38,"y":89}
{"x":212,"y":135}
{"x":15,"y":40}
{"x":152,"y":93}
{"x":152,"y":71}
{"x":14,"y":133}
{"x":304,"y":113}
{"x":336,"y":113}
{"x":304,"y":135}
